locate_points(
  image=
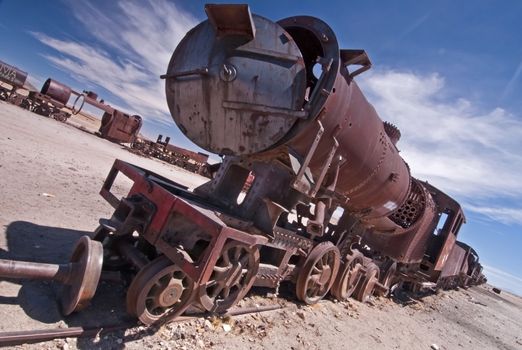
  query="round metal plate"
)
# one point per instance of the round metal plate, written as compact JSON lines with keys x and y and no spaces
{"x":235,"y":96}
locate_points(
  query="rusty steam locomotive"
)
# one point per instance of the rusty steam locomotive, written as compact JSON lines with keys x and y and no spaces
{"x":331,"y":206}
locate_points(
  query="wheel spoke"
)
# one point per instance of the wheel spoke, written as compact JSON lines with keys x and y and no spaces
{"x":230,"y":277}
{"x":244,"y":260}
{"x":226,"y":259}
{"x":318,"y":272}
{"x":226,"y":292}
{"x":144,"y":296}
{"x":237,"y":253}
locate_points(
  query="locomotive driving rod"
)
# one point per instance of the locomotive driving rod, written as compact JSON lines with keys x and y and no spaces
{"x":80,"y":276}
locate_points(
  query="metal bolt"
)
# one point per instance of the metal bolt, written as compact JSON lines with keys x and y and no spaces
{"x":228,"y":72}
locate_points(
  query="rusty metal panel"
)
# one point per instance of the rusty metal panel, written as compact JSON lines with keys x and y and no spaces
{"x":454,"y":262}
{"x":120,"y":127}
{"x":12,"y":75}
{"x":235,"y":95}
{"x":196,"y":156}
{"x":57,"y":91}
{"x":231,"y":20}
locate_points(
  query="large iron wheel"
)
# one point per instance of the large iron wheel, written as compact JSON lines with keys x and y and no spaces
{"x":43,"y":110}
{"x":160,"y":291}
{"x":348,"y":276}
{"x":367,"y":283}
{"x":318,"y":273}
{"x":387,"y":278}
{"x":15,"y":99}
{"x":231,"y":278}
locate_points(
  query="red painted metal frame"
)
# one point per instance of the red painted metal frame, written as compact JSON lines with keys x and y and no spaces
{"x":168,"y":204}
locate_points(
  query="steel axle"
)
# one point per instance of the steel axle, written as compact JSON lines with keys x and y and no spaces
{"x":80,"y":276}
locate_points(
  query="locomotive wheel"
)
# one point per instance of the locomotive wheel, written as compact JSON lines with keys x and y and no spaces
{"x":112,"y":261}
{"x":25,"y":104}
{"x":87,"y":261}
{"x":348,"y":276}
{"x":42,"y":110}
{"x":60,"y":116}
{"x":159,"y":291}
{"x":15,"y":99}
{"x":318,"y":273}
{"x":364,"y":288}
{"x":388,"y":277}
{"x":232,"y":277}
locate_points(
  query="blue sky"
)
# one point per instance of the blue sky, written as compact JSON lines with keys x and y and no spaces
{"x":447,"y":73}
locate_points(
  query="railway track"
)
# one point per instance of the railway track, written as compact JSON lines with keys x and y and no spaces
{"x":41,"y":335}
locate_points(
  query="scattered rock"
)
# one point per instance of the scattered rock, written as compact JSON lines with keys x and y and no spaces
{"x":301,"y":315}
{"x":208,"y":325}
{"x":47,"y":195}
{"x":496,"y":290}
{"x":434,"y":347}
{"x":227,"y":327}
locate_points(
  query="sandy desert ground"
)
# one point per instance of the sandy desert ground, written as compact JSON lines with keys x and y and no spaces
{"x":50,"y":176}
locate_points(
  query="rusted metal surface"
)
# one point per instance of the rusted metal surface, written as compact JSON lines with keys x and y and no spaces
{"x":57,"y":91}
{"x":80,"y":276}
{"x":219,"y":260}
{"x":318,"y":273}
{"x":348,"y":276}
{"x":116,"y":125}
{"x":249,"y":89}
{"x":12,"y":75}
{"x":120,"y":127}
{"x":159,"y":286}
{"x":11,"y":80}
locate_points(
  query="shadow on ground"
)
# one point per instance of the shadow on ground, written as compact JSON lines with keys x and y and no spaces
{"x":39,"y":299}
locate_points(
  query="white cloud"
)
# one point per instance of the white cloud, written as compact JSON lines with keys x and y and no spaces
{"x":505,"y":215}
{"x":509,"y":86}
{"x":471,"y":154}
{"x":133,"y":47}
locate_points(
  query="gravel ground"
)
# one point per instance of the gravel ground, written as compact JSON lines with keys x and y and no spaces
{"x":50,"y":176}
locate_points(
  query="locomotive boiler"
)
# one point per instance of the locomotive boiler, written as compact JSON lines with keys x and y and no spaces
{"x":15,"y":79}
{"x":311,"y":190}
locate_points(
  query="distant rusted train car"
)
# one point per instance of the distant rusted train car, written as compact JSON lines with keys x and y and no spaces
{"x":120,"y":127}
{"x":13,"y":80}
{"x":51,"y":101}
{"x":462,"y":268}
{"x":195,"y":162}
